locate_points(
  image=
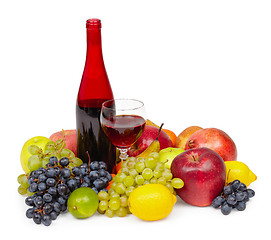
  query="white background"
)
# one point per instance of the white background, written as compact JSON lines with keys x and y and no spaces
{"x":203,"y":63}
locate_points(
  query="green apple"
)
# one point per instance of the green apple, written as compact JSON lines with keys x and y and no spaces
{"x":167,"y":155}
{"x":39,"y":141}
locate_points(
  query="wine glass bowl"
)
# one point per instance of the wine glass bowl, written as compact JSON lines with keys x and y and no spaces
{"x":123,"y":121}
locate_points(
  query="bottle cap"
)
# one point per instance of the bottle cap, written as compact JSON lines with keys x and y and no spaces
{"x":94,"y":23}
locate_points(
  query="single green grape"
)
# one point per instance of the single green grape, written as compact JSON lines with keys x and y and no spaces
{"x":160,"y":166}
{"x":123,"y":201}
{"x":133,"y":173}
{"x":147,"y":173}
{"x":125,"y":170}
{"x":103,"y":205}
{"x":157,"y":173}
{"x":139,"y":179}
{"x":153,"y":180}
{"x":51,"y":145}
{"x":114,"y":195}
{"x":140,"y":159}
{"x":154,"y":155}
{"x":170,"y":188}
{"x":76,"y":161}
{"x":150,"y":162}
{"x":121,"y":212}
{"x":44,"y":162}
{"x":34,"y":150}
{"x":114,"y":204}
{"x":22,"y":190}
{"x":146,"y":182}
{"x":128,"y":181}
{"x":139,"y":166}
{"x":67,"y":153}
{"x":103,"y":195}
{"x":167,"y":175}
{"x":162,"y":181}
{"x":129,"y":190}
{"x":130,"y":163}
{"x":22,"y":180}
{"x":120,"y":188}
{"x":109,"y":213}
{"x":119,"y":177}
{"x":34,"y":163}
{"x":60,"y":143}
{"x":177,"y":183}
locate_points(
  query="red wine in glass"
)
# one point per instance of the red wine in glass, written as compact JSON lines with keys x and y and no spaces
{"x":124,"y":130}
{"x":123,"y":121}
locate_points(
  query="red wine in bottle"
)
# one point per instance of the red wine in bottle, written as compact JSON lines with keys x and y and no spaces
{"x":94,"y":89}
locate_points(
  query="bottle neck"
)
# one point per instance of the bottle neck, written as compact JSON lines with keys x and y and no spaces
{"x":94,"y":43}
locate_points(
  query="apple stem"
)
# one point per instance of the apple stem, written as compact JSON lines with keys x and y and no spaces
{"x":159,"y":131}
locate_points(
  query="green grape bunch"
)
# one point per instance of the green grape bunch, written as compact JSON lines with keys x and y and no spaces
{"x":134,"y":173}
{"x":40,"y":158}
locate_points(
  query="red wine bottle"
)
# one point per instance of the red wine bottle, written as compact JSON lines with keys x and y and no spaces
{"x":93,"y":144}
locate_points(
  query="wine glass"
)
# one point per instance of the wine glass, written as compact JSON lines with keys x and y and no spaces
{"x":123,"y":121}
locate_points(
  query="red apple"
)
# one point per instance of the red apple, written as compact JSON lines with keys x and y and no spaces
{"x":149,"y":134}
{"x":214,"y":139}
{"x":203,"y":173}
{"x":70,"y":139}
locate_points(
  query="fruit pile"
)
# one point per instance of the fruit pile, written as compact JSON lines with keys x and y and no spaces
{"x":199,"y":165}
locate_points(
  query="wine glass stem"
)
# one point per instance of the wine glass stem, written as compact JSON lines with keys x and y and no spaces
{"x":123,"y":154}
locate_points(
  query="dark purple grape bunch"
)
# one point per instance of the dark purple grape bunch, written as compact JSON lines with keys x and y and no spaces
{"x":51,"y":187}
{"x":235,"y":195}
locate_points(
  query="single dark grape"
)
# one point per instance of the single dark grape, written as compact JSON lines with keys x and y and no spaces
{"x":50,"y":182}
{"x":98,"y":183}
{"x":42,"y":186}
{"x":38,"y":201}
{"x":242,"y":187}
{"x":29,"y":212}
{"x":57,"y":207}
{"x":48,"y":208}
{"x":231,"y":199}
{"x":102,"y":165}
{"x":29,"y":201}
{"x":93,"y":175}
{"x":227,"y":190}
{"x":235,"y":185}
{"x":240,"y":196}
{"x":53,"y":161}
{"x":42,"y":178}
{"x":76,"y":171}
{"x":46,"y":220}
{"x":52,"y":191}
{"x":94,"y":165}
{"x":64,"y":161}
{"x":33,"y":187}
{"x":102,"y":172}
{"x":109,"y":176}
{"x":51,"y":172}
{"x":250,"y":193}
{"x":37,"y":218}
{"x":66,"y":173}
{"x":53,"y":215}
{"x":72,"y":184}
{"x":240,"y":206}
{"x":47,"y":197}
{"x":62,"y":189}
{"x":217,"y":202}
{"x":226,"y":209}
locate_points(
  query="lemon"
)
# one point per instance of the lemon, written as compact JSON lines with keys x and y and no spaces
{"x":151,"y":202}
{"x":239,"y":170}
